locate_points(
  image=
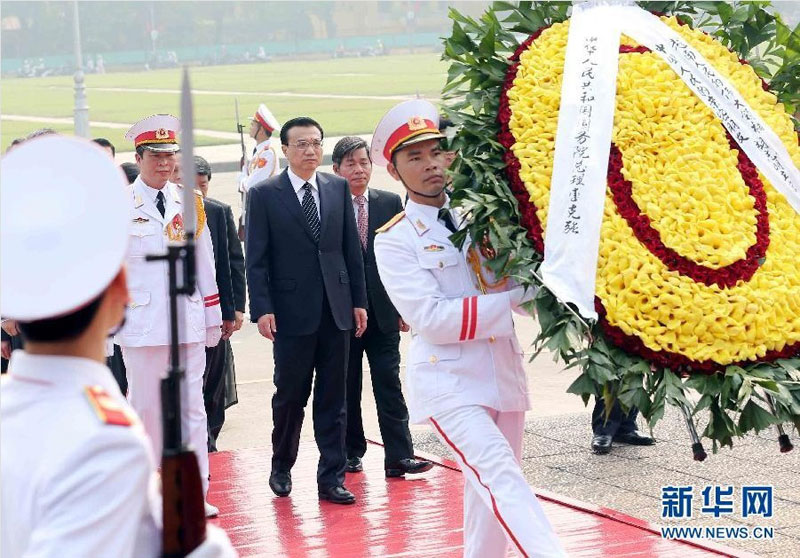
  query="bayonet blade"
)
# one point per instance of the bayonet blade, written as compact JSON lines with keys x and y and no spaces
{"x":187,"y":155}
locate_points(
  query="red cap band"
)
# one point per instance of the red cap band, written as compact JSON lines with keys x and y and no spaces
{"x":414,"y":127}
{"x":162,"y":135}
{"x":263,"y":122}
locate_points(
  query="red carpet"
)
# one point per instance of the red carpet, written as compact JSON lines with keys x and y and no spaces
{"x":416,"y":518}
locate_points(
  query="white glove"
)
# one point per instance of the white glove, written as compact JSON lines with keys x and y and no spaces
{"x":213,"y":335}
{"x":216,"y":545}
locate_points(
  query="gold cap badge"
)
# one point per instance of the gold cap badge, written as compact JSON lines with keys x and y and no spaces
{"x":416,"y":123}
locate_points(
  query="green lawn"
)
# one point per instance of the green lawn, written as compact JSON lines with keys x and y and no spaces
{"x":391,"y":75}
{"x":12,"y":129}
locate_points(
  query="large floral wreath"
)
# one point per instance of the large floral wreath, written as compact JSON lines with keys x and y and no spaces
{"x":698,"y":272}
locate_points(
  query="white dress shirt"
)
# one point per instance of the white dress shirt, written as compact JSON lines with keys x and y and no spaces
{"x":297,"y":184}
{"x":151,"y":193}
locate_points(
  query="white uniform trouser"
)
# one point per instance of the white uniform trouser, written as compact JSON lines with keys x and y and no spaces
{"x":145,"y":367}
{"x":499,"y":506}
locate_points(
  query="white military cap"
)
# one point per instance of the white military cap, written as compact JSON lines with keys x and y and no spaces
{"x":264,"y":117}
{"x":63,"y":226}
{"x":158,"y":132}
{"x":407,"y":123}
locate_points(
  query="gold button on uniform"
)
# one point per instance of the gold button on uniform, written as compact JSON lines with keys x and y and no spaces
{"x":491,"y":339}
{"x":434,"y":359}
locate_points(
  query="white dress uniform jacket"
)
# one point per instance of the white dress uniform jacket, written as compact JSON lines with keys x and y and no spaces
{"x":147,"y":319}
{"x":78,"y":478}
{"x":263,"y":165}
{"x":463,"y":348}
{"x":72,"y":483}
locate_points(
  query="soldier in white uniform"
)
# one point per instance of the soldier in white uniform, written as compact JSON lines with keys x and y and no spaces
{"x":265,"y":157}
{"x":156,"y":218}
{"x":464,"y":367}
{"x":78,"y":476}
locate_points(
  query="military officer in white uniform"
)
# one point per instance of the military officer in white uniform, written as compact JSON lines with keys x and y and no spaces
{"x":265,"y":155}
{"x":464,"y":367}
{"x":77,"y":474}
{"x":156,"y":218}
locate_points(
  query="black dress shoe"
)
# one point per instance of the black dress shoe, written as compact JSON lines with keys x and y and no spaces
{"x":353,"y":465}
{"x":407,"y":466}
{"x":337,"y":495}
{"x":280,"y":483}
{"x":634,"y":439}
{"x":601,"y":443}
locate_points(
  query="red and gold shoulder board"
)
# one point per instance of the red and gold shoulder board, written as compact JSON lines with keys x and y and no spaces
{"x":108,"y":410}
{"x":391,"y":222}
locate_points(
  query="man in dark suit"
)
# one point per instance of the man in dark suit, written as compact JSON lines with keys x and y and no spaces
{"x":381,"y":342}
{"x":229,"y":262}
{"x":306,"y":279}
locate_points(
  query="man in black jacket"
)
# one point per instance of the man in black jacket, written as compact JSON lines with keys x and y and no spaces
{"x":219,"y":385}
{"x":381,"y":342}
{"x":306,"y":279}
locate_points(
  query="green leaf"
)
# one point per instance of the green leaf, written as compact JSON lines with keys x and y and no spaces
{"x":724,"y":10}
{"x":753,"y":417}
{"x":703,"y":403}
{"x":486,"y":47}
{"x":582,"y":385}
{"x":745,"y":391}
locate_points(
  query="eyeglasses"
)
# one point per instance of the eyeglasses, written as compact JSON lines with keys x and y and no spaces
{"x":302,"y":145}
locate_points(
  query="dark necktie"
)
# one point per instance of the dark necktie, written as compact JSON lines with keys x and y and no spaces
{"x":310,"y":211}
{"x":447,"y":219}
{"x":160,"y":203}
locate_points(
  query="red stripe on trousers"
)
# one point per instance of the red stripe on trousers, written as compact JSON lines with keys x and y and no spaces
{"x":474,"y":312}
{"x":494,"y":503}
{"x":464,"y":318}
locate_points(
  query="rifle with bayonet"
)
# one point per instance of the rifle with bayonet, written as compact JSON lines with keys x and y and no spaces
{"x":242,"y":191}
{"x":181,"y":484}
{"x":240,"y":129}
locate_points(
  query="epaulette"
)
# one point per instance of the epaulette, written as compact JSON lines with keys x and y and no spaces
{"x":108,"y":410}
{"x":391,"y":222}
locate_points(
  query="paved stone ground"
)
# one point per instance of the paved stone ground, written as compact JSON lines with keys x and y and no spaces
{"x":557,"y":457}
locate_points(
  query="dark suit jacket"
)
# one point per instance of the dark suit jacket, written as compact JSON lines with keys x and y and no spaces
{"x":218,"y":227}
{"x":287,"y":272}
{"x":236,"y":256}
{"x":382,"y":207}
